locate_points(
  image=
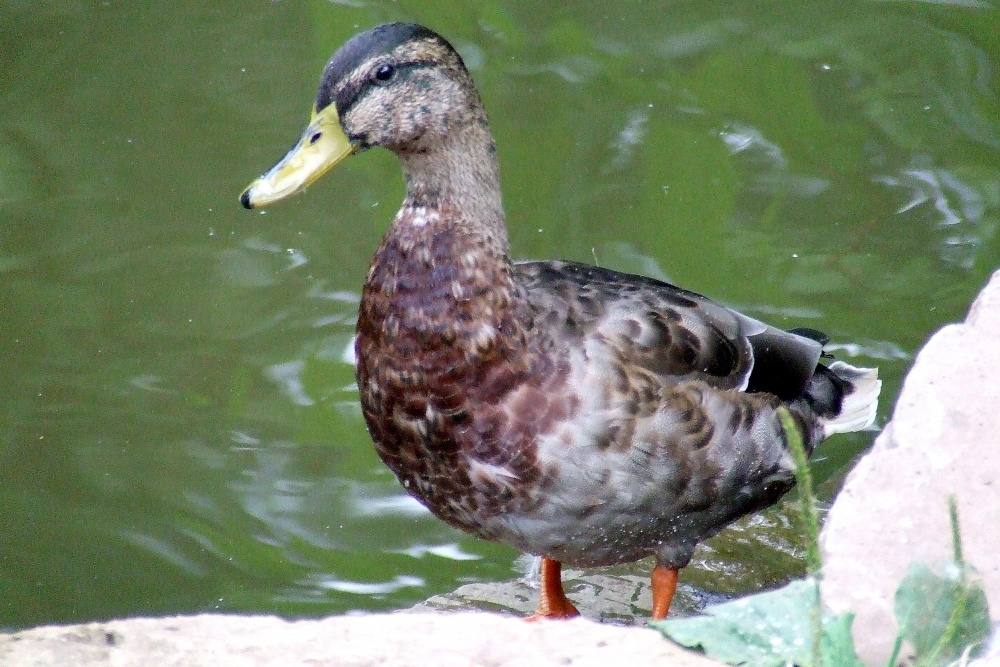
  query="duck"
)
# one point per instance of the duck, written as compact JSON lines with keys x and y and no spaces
{"x":583,"y":415}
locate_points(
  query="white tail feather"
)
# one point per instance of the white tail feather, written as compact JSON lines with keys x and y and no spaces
{"x":858,"y":410}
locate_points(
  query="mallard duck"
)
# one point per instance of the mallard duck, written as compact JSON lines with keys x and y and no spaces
{"x":583,"y":415}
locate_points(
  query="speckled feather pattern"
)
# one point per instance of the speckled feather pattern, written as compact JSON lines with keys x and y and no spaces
{"x":568,"y":436}
{"x":577,"y":413}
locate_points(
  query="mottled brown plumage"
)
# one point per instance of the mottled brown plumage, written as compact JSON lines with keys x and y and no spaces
{"x":584,"y":415}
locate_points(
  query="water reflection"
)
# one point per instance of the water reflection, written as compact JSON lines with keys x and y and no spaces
{"x":370,"y":588}
{"x":955,"y":207}
{"x":451,"y":551}
{"x":368,"y":504}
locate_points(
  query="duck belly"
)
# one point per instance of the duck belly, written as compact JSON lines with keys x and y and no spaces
{"x":614,"y":490}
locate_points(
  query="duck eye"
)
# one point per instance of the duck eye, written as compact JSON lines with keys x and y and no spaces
{"x":385,"y":73}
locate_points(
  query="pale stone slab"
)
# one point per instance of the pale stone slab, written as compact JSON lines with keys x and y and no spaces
{"x":400,"y":640}
{"x":944,"y":438}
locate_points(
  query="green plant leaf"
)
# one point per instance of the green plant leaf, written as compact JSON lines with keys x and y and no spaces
{"x":837,"y":643}
{"x":941,"y":611}
{"x":766,"y":630}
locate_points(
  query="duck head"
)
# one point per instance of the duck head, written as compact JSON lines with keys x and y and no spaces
{"x":399,"y":85}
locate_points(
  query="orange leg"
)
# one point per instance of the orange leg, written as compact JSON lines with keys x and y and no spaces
{"x":664,"y":585}
{"x":552,"y":602}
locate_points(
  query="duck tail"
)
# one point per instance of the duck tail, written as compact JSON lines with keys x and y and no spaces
{"x":844,"y":397}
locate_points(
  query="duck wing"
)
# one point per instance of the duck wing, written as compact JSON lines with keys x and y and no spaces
{"x":674,"y":333}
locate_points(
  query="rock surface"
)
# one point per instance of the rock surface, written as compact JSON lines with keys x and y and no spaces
{"x":400,"y":640}
{"x":618,"y":599}
{"x":608,"y":596}
{"x":944,"y":438}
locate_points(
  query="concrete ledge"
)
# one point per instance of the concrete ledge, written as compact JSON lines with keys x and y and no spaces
{"x":400,"y":640}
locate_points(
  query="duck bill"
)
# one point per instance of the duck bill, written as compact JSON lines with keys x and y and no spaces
{"x":323,"y":144}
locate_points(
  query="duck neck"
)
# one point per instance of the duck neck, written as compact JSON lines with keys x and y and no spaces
{"x":442,"y":276}
{"x":459,"y":179}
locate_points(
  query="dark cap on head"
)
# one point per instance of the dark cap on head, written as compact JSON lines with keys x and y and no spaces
{"x":362,"y":47}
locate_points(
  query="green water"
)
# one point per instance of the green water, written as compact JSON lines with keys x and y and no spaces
{"x":178,"y":426}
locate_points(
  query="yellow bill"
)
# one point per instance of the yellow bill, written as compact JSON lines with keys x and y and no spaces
{"x":323,"y":144}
